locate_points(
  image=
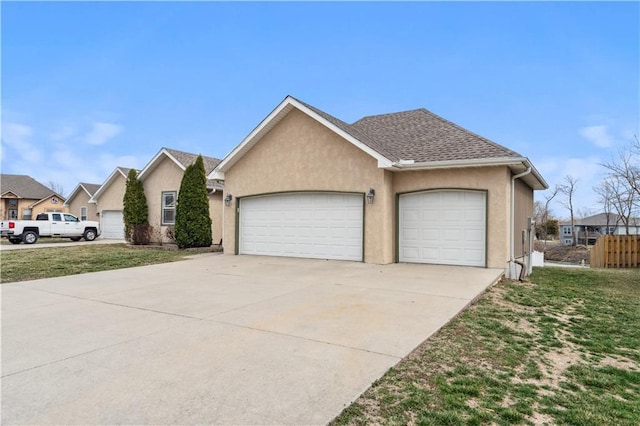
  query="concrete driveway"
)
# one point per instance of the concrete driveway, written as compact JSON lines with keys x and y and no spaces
{"x":217,"y":339}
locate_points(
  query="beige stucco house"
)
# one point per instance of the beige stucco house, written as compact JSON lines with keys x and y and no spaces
{"x":23,"y":198}
{"x":78,"y":201}
{"x":161,"y":179}
{"x":401,"y":187}
{"x":108,"y":202}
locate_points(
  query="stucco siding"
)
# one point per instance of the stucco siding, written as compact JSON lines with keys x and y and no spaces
{"x":494,"y":180}
{"x":113,"y":195}
{"x":82,"y":200}
{"x":215,"y":211}
{"x":167,"y":176}
{"x":523,"y":210}
{"x":300,"y":154}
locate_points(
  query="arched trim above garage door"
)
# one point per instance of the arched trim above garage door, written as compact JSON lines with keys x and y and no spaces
{"x":311,"y":224}
{"x":442,"y":226}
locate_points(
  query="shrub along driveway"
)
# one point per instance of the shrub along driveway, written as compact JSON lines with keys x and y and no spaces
{"x":217,"y":339}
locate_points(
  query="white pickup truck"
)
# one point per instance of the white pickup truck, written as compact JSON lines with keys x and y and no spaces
{"x":60,"y":225}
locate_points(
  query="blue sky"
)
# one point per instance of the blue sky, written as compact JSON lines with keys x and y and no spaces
{"x":90,"y":86}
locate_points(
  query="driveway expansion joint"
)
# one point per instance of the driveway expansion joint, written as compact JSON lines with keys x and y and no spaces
{"x":324,"y":342}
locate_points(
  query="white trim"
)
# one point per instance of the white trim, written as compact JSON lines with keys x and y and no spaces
{"x":154,"y":163}
{"x":518,"y":163}
{"x":106,"y":184}
{"x":271,"y":120}
{"x":66,"y":203}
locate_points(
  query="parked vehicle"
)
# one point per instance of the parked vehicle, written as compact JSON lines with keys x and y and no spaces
{"x":59,"y":225}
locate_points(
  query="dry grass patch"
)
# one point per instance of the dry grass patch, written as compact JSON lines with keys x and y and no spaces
{"x":563,"y":348}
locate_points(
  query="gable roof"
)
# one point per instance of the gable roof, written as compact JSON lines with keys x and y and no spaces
{"x":180,"y":158}
{"x":23,"y":186}
{"x":118,"y":171}
{"x":410,"y":140}
{"x":88,"y":188}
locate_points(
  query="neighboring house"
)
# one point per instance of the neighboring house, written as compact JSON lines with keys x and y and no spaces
{"x":108,"y":202}
{"x":589,"y":229}
{"x":161,"y":179}
{"x":401,"y":187}
{"x":23,"y":197}
{"x":78,"y":201}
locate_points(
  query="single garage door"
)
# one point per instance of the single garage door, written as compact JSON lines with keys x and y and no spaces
{"x":443,"y":227}
{"x":313,"y":225}
{"x":112,"y":225}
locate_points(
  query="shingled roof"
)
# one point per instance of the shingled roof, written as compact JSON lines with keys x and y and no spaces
{"x":423,"y":136}
{"x":24,"y":186}
{"x":186,"y":159}
{"x":409,"y":140}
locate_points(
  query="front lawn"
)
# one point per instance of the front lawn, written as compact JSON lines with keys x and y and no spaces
{"x":563,"y":348}
{"x":31,"y":264}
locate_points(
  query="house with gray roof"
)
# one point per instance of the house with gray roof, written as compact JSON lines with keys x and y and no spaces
{"x":78,"y":201}
{"x":161,"y":179}
{"x":23,"y":197}
{"x":408,"y":186}
{"x":588,"y":230}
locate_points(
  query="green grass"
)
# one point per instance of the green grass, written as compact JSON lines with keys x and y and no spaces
{"x":563,"y":348}
{"x":26,"y":264}
{"x":6,"y":242}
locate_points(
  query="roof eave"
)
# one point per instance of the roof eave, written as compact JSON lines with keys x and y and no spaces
{"x":516,"y":164}
{"x":155,"y":161}
{"x":274,"y":118}
{"x":106,"y":184}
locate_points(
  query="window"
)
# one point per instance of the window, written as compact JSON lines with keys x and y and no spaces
{"x":83,"y":213}
{"x":26,"y":214}
{"x":56,"y":216}
{"x":70,"y":218}
{"x":169,"y":208}
{"x":566,"y":230}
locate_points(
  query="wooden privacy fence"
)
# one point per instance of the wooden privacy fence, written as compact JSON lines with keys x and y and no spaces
{"x":616,"y":251}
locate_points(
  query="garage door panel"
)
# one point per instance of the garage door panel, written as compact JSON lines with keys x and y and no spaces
{"x":112,"y":225}
{"x":445,"y":227}
{"x":316,"y":225}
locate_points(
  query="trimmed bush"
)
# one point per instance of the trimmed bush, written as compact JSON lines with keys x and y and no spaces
{"x":136,"y":211}
{"x":193,"y":222}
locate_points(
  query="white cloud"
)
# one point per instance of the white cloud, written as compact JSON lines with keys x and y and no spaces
{"x":102,"y":132}
{"x":63,"y":133}
{"x":597,"y":135}
{"x":17,"y":137}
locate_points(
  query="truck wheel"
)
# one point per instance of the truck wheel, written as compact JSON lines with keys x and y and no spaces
{"x":29,"y":237}
{"x":90,"y":234}
{"x":15,"y":240}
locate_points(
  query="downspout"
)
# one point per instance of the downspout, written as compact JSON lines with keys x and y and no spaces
{"x":512,"y":249}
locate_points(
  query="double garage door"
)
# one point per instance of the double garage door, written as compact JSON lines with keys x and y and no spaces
{"x":313,"y":225}
{"x":441,"y":227}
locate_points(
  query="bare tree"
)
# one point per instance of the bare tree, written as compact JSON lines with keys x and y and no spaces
{"x":623,"y":183}
{"x":542,"y":212}
{"x":623,"y":200}
{"x":56,"y":187}
{"x":568,"y":189}
{"x":605,"y":199}
{"x":627,"y":168}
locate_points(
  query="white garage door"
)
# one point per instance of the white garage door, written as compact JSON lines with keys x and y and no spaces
{"x":314,"y":225}
{"x":112,"y":225}
{"x":444,"y":227}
